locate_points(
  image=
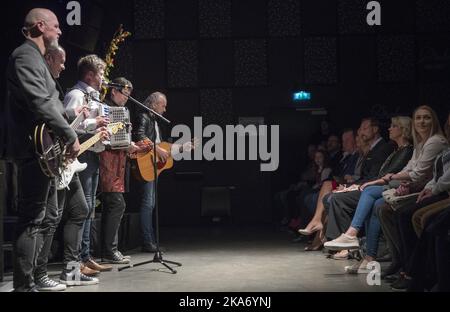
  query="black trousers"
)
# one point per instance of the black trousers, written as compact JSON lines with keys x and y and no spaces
{"x":112,"y":212}
{"x":429,"y":263}
{"x":76,"y":211}
{"x":341,"y":208}
{"x":37,"y":211}
{"x":408,"y":237}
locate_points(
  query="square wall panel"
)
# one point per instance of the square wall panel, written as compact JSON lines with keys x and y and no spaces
{"x":181,"y":19}
{"x":433,"y":15}
{"x":250,"y":62}
{"x":396,"y":61}
{"x":182,"y":64}
{"x":249,"y":18}
{"x":216,"y":106}
{"x":319,"y":17}
{"x":150,"y":64}
{"x":216,"y":63}
{"x":149,"y":19}
{"x":320,"y":60}
{"x":284,"y":18}
{"x":215,"y":18}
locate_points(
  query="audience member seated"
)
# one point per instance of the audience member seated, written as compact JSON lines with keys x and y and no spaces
{"x":400,"y":133}
{"x":432,"y":199}
{"x":429,"y":143}
{"x":346,"y":168}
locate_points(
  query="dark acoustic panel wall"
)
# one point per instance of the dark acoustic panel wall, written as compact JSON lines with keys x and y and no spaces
{"x":357,"y":60}
{"x":216,"y":63}
{"x":397,"y":17}
{"x":284,"y":18}
{"x":123,"y":61}
{"x":182,"y":107}
{"x":86,"y":35}
{"x":285,"y":62}
{"x":250,"y":61}
{"x":396,"y":58}
{"x":215,"y":18}
{"x":216,"y":106}
{"x":249,"y":18}
{"x":253,"y":101}
{"x":181,"y":19}
{"x":149,"y":19}
{"x":182,"y":64}
{"x":433,"y":15}
{"x":150,"y":64}
{"x":352,"y":17}
{"x":437,"y":96}
{"x":434,"y":58}
{"x":394,"y":99}
{"x":320,"y":60}
{"x":319,"y":17}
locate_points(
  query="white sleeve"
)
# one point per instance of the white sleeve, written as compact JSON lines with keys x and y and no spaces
{"x":73,"y":100}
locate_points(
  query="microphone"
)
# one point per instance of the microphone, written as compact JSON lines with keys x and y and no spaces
{"x":113,"y":85}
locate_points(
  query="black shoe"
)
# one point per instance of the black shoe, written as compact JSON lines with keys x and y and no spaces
{"x":401,"y":284}
{"x":390,"y":270}
{"x":391,"y":278}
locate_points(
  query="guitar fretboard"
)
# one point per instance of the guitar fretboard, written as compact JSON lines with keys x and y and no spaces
{"x":88,"y":143}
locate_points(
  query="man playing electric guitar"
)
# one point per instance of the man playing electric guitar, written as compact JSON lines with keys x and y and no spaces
{"x":32,"y":99}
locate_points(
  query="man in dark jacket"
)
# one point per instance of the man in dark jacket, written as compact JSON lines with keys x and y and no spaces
{"x":148,"y":128}
{"x":32,"y":98}
{"x":341,"y":206}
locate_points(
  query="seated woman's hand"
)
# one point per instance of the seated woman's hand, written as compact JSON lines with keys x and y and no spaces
{"x":402,"y":190}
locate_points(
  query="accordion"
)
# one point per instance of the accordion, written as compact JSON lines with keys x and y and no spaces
{"x":121,"y":139}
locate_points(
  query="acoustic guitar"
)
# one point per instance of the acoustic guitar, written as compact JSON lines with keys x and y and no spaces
{"x":143,"y":167}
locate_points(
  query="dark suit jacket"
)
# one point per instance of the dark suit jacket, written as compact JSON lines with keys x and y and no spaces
{"x":31,"y":98}
{"x":374,"y":160}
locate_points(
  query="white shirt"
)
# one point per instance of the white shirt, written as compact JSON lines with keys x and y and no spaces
{"x":75,"y":99}
{"x":158,"y":138}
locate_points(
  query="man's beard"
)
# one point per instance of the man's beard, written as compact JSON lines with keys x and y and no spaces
{"x":51,"y":44}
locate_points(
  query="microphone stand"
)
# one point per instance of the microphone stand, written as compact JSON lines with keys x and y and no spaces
{"x":157,"y":258}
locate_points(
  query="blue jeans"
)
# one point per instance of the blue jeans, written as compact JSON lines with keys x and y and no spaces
{"x":89,"y":182}
{"x":147,"y":207}
{"x":371,"y":198}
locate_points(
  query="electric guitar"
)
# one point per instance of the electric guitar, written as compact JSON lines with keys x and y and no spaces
{"x":143,"y":166}
{"x":50,"y":148}
{"x":67,"y":171}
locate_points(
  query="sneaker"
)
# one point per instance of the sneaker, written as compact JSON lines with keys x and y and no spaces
{"x":126,"y":257}
{"x":343,"y":242}
{"x":362,"y":267}
{"x":116,"y":258}
{"x":76,"y":278}
{"x":46,"y":284}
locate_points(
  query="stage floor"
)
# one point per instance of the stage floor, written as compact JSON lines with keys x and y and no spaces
{"x":226,"y":258}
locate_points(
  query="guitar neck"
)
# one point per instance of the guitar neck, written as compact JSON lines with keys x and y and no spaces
{"x":76,"y":122}
{"x":88,"y":143}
